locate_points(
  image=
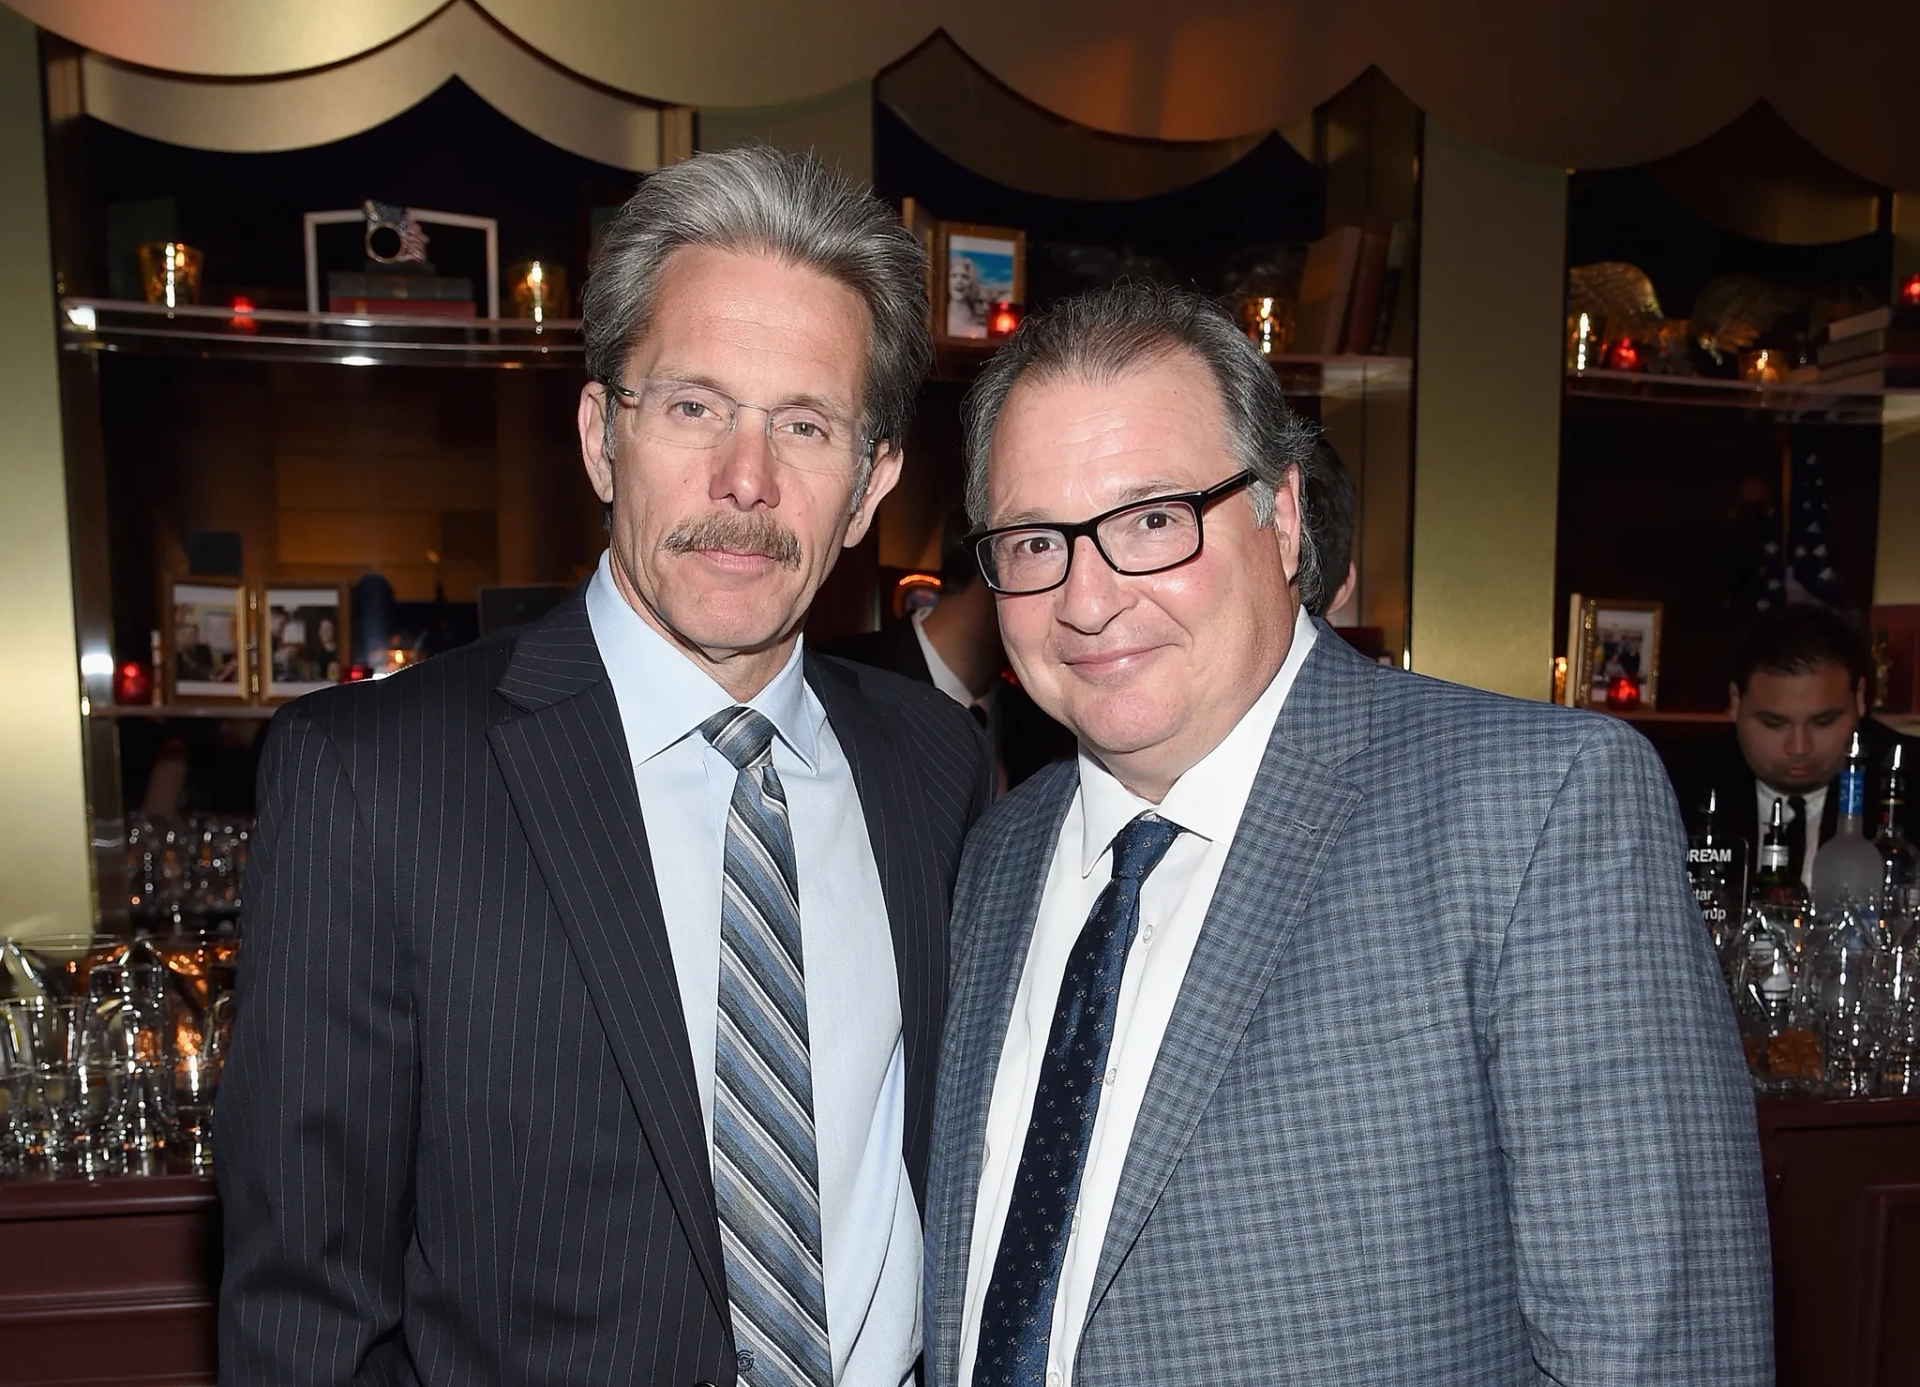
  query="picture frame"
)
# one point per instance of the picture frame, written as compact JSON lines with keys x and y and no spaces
{"x":311,"y":222}
{"x":975,"y":267}
{"x":303,"y":638}
{"x":203,"y":641}
{"x":1607,"y":637}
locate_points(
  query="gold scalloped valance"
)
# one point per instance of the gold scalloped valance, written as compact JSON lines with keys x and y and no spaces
{"x":1584,"y":86}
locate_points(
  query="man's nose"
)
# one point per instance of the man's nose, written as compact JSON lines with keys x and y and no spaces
{"x":746,"y":471}
{"x":1092,"y":593}
{"x":1799,"y":739}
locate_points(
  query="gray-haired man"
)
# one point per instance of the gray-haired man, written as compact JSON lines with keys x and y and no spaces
{"x":594,"y":973}
{"x":1322,"y":1024}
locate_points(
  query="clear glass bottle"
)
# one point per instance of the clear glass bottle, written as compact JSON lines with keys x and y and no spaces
{"x":1852,"y":960}
{"x":1847,"y":866}
{"x":1900,"y":1002}
{"x":1891,"y":837}
{"x":1717,"y":870}
{"x":1771,"y":1003}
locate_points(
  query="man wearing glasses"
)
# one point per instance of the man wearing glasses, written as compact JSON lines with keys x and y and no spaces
{"x":1320,"y":1023}
{"x":594,"y":973}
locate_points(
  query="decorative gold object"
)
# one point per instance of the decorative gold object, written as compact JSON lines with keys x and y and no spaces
{"x":1763,"y":364}
{"x":1733,"y":310}
{"x":1617,"y":298}
{"x":537,"y":290}
{"x":170,"y":272}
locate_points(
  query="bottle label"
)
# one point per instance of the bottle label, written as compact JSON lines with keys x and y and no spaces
{"x":1773,"y":858}
{"x":1853,"y":790}
{"x":1710,"y":857}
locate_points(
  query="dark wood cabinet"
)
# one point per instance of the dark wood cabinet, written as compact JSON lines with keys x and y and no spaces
{"x":113,"y":1281}
{"x":108,"y":1281}
{"x":1843,"y":1197}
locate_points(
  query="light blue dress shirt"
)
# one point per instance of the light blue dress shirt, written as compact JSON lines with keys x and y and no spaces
{"x":870,"y":1228}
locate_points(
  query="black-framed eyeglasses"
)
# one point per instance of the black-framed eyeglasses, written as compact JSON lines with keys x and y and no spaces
{"x":1140,"y":537}
{"x":686,"y":414}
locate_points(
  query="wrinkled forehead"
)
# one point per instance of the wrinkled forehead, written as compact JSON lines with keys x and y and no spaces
{"x":1079,"y":436}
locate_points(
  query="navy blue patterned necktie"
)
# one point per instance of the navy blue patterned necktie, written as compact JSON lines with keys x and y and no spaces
{"x":1016,"y":1320}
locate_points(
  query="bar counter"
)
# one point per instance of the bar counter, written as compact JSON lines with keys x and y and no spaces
{"x":111,"y":1281}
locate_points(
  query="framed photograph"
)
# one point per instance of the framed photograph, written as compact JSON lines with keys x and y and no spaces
{"x":204,"y":641}
{"x":1606,"y":638}
{"x":487,"y":227}
{"x":303,"y":639}
{"x":975,"y":268}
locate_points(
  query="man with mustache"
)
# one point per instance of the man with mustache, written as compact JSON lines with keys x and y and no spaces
{"x":594,"y":972}
{"x":1321,"y":1023}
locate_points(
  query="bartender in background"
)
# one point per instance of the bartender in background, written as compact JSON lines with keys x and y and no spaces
{"x":1799,"y":691}
{"x":955,"y":646}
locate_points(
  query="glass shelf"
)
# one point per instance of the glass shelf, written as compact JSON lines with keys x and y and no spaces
{"x":235,"y":712}
{"x":1328,"y":377}
{"x":1835,"y":402}
{"x":114,"y":325}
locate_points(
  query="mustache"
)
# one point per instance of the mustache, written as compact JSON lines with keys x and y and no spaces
{"x":739,"y":534}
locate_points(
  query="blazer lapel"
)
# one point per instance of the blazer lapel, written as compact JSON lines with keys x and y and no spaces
{"x":1296,"y":810}
{"x":563,"y":755}
{"x":993,"y":926}
{"x":915,"y":906}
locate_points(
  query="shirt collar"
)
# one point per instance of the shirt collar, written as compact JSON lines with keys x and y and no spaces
{"x":664,"y":696}
{"x":1209,"y":799}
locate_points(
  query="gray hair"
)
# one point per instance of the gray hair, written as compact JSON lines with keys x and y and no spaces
{"x":757,"y":200}
{"x":1102,"y":335}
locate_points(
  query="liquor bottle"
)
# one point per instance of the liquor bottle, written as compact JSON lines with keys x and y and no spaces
{"x":1717,"y":869}
{"x":1773,"y":884}
{"x":1848,"y":866}
{"x":1891,"y":838}
{"x":1770,"y":1002}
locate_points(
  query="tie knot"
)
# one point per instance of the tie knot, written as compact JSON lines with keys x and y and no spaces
{"x":1138,"y":848}
{"x":741,"y":735}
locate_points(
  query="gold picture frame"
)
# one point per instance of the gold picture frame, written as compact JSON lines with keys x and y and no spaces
{"x":303,"y":638}
{"x":203,"y":641}
{"x":974,"y":268}
{"x":1607,"y":637}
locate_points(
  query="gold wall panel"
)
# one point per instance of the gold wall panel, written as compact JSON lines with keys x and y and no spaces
{"x":1487,"y":423}
{"x":45,"y":877}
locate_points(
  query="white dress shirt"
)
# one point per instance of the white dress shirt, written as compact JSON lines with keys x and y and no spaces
{"x":870,"y":1227}
{"x":1765,"y":795}
{"x":1207,"y":803}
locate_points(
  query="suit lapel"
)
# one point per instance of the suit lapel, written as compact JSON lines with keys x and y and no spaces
{"x":993,"y":927}
{"x":1296,"y":810}
{"x":915,"y":915}
{"x":564,"y":758}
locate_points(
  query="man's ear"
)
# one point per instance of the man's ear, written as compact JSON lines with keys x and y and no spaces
{"x":592,"y":421}
{"x":1287,"y":524}
{"x":1860,"y":697}
{"x":1733,"y":701}
{"x":887,"y":461}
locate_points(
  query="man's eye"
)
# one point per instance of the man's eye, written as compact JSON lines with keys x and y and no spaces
{"x":688,"y":409}
{"x":805,"y":428}
{"x":1035,"y":545}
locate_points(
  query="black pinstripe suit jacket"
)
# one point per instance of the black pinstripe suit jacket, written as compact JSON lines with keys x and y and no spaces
{"x":460,"y":1141}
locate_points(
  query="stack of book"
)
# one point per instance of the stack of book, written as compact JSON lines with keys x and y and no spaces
{"x":1349,"y":289}
{"x":1874,"y":350}
{"x":384,"y":289}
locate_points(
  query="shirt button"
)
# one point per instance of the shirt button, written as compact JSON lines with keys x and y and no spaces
{"x":1112,"y":1075}
{"x":1053,"y":1377}
{"x":1146,"y":934}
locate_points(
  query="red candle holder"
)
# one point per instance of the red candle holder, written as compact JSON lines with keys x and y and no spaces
{"x":1623,"y":693}
{"x":1624,"y":354}
{"x":1910,"y":291}
{"x":132,"y":682}
{"x":1005,"y":319}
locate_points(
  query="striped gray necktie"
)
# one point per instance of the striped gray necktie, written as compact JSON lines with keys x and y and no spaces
{"x":766,"y":1173}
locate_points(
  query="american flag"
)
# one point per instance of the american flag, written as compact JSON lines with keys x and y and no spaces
{"x":1798,"y":566}
{"x":413,"y":241}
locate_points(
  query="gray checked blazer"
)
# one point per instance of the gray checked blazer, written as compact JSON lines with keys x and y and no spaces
{"x":1452,"y":1094}
{"x":460,"y":1140}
